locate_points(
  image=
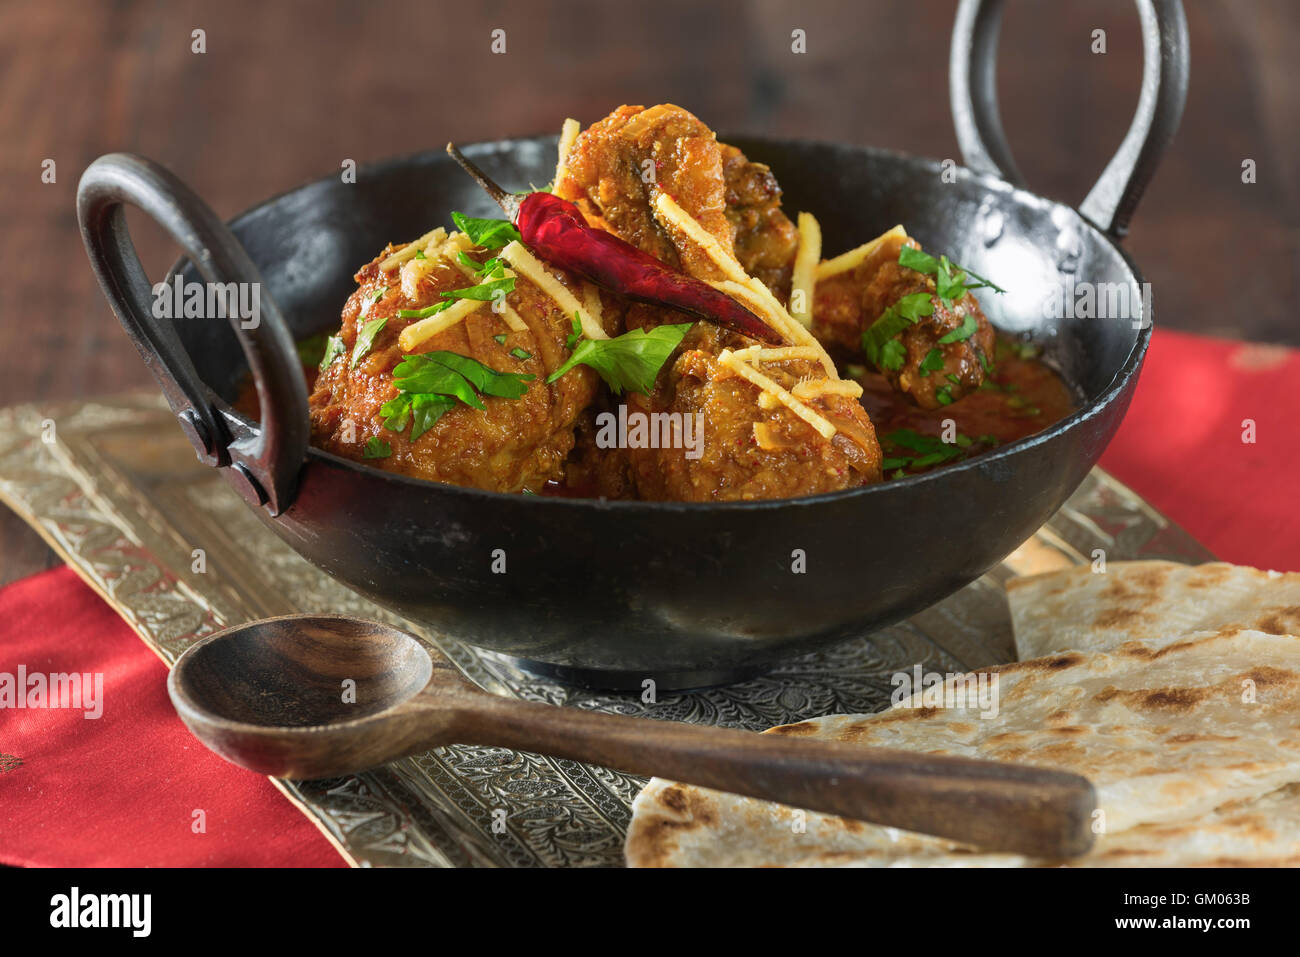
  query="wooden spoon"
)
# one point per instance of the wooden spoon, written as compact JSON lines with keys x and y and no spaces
{"x":313,"y":697}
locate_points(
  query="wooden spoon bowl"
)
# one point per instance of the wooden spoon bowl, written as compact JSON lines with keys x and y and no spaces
{"x":314,"y":697}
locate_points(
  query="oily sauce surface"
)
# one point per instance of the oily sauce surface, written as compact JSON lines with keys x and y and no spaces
{"x":1021,"y":397}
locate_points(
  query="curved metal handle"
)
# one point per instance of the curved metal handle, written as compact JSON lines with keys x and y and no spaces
{"x":264,"y":461}
{"x":973,"y":89}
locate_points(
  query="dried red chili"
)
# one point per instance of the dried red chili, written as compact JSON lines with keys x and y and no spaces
{"x":556,"y":231}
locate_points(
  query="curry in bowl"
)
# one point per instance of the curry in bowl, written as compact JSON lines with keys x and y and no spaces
{"x":654,"y":326}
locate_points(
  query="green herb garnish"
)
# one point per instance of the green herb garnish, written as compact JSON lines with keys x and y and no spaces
{"x":572,"y":339}
{"x":933,"y":362}
{"x":488,"y":233}
{"x":944,"y":395}
{"x":376,"y":449}
{"x":333,"y":349}
{"x":949,"y":278}
{"x":927,"y":450}
{"x":966,"y":330}
{"x":501,"y":339}
{"x":419,"y":254}
{"x":430,"y":384}
{"x":906,"y":312}
{"x":491,"y":269}
{"x":630,"y":361}
{"x":426,"y":312}
{"x":366,"y":339}
{"x":372,"y":299}
{"x":520,"y":354}
{"x":484,"y":291}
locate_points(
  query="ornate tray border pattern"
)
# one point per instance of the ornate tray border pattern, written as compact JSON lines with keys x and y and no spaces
{"x":111,"y":485}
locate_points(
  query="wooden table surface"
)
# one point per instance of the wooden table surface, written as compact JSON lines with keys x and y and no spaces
{"x":286,"y":91}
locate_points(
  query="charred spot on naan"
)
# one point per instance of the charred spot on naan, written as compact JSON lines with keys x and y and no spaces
{"x":1211,"y":573}
{"x":1052,"y":663}
{"x":688,"y":803}
{"x":1280,"y":621}
{"x":1155,"y":699}
{"x":1120,"y":618}
{"x":1194,"y":738}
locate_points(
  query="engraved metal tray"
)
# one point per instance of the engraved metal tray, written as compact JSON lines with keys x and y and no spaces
{"x":114,"y":488}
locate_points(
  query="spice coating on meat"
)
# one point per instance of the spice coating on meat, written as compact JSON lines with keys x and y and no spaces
{"x":510,"y":445}
{"x":765,"y":239}
{"x":616,"y":166}
{"x":748,"y":451}
{"x":846,"y":305}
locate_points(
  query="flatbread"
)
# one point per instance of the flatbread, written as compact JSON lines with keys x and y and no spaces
{"x":1077,"y":609}
{"x":678,"y":826}
{"x":1167,"y":730}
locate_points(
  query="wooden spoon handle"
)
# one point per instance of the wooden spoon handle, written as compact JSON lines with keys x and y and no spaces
{"x":1004,"y":807}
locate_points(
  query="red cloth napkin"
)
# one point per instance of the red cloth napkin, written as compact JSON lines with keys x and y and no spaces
{"x":123,"y":789}
{"x":1211,"y":441}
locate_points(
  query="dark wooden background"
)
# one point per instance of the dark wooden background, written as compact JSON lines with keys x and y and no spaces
{"x":286,"y":91}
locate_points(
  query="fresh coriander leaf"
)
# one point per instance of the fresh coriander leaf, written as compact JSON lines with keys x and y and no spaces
{"x":944,"y":395}
{"x":950,"y":279}
{"x":953,"y":378}
{"x":576,"y":334}
{"x":501,"y":339}
{"x":333,"y":349}
{"x":488,"y":233}
{"x":961,"y":334}
{"x":949,"y":285}
{"x":520,"y":354}
{"x":915,"y":441}
{"x":426,"y":410}
{"x":396,"y":413}
{"x":982,"y":282}
{"x":430,"y":384}
{"x":426,"y":312}
{"x":915,"y":259}
{"x":630,"y":361}
{"x":484,"y":291}
{"x":502,"y":385}
{"x":934,"y":458}
{"x":490,"y":268}
{"x":907,"y":311}
{"x":418,"y":376}
{"x":366,"y":339}
{"x":892,"y":355}
{"x":376,"y":449}
{"x":372,"y":299}
{"x":419,"y":254}
{"x":933,"y":362}
{"x":888,"y":464}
